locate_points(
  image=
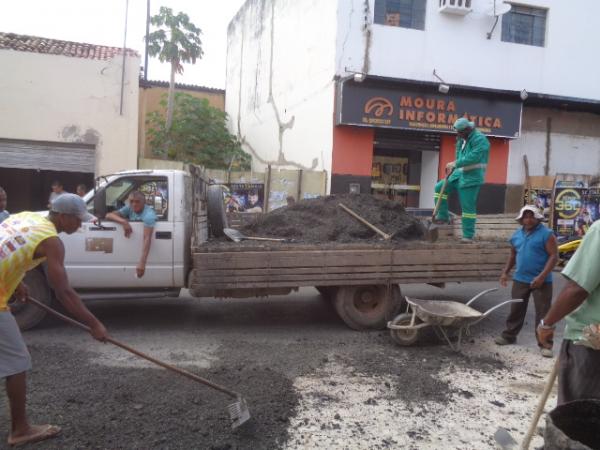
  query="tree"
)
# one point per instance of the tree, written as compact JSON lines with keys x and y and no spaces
{"x":198,"y":134}
{"x":177,"y":41}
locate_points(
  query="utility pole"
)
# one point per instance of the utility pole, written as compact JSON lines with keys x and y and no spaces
{"x":147,"y":35}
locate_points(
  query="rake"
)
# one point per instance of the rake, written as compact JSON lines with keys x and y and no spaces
{"x":238,"y":411}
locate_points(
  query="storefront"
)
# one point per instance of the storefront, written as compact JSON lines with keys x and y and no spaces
{"x":393,"y":139}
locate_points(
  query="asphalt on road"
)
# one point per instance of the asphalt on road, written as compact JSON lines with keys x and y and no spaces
{"x":310,"y":381}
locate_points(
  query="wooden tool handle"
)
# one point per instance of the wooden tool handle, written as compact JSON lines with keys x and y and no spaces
{"x":371,"y":226}
{"x":185,"y":373}
{"x":540,"y":407}
{"x":439,"y":200}
{"x":253,"y":238}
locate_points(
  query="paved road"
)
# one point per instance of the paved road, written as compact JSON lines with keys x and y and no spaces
{"x":309,"y":380}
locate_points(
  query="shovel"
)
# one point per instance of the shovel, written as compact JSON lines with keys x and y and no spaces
{"x":237,"y":236}
{"x":503,"y":438}
{"x":385,"y":236}
{"x":238,"y":411}
{"x":431,"y":229}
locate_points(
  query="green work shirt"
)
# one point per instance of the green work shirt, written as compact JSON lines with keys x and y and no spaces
{"x":476,"y":150}
{"x":584,"y":269}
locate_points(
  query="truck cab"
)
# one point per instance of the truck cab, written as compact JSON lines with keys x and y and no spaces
{"x":99,"y":256}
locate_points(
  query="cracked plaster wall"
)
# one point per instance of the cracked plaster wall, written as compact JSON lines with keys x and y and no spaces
{"x":63,"y":99}
{"x":280,"y":88}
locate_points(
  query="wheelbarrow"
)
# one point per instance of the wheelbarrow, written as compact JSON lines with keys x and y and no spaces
{"x":443,"y":316}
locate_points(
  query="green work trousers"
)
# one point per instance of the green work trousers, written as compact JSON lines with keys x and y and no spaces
{"x":468,"y":203}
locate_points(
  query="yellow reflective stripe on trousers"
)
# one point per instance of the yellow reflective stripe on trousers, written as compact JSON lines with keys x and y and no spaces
{"x":469,"y":216}
{"x":445,"y":196}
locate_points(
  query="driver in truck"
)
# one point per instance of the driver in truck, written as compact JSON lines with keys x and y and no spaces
{"x":26,"y":240}
{"x":137,"y":211}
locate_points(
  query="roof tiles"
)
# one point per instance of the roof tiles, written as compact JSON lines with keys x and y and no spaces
{"x":36,"y":44}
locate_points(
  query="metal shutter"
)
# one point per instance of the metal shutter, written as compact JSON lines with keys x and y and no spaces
{"x":407,"y":140}
{"x":59,"y":156}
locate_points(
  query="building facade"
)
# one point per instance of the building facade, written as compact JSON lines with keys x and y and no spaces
{"x":69,"y":113}
{"x":368,"y":90}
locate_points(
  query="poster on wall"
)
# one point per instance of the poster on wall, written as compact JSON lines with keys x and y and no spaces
{"x":567,"y":207}
{"x":245,"y":197}
{"x":542,"y":198}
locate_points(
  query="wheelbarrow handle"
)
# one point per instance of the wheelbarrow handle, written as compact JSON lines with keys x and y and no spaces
{"x":481,"y":294}
{"x":499,"y":305}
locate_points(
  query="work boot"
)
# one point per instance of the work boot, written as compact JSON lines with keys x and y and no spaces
{"x":466,"y":240}
{"x":546,"y":352}
{"x":441,"y":221}
{"x":501,"y":340}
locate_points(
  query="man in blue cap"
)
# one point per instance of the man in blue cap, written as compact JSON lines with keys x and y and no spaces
{"x":466,"y":175}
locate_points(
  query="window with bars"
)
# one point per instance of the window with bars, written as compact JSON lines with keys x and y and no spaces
{"x":401,"y":13}
{"x":524,"y":25}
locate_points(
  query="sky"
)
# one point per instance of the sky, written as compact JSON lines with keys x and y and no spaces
{"x":103,"y":22}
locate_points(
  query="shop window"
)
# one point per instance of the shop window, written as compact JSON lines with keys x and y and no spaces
{"x":401,"y":13}
{"x":524,"y":25}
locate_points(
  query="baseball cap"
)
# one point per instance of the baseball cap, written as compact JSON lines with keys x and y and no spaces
{"x":71,"y":204}
{"x":533,"y":209}
{"x":463,"y":123}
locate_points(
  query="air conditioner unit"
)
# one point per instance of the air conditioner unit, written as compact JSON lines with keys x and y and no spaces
{"x":457,"y":7}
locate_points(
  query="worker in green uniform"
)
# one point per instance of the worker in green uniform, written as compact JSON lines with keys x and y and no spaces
{"x":465,"y":175}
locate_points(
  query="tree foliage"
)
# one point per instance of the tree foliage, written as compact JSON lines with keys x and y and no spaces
{"x":197,"y":135}
{"x":176,"y":41}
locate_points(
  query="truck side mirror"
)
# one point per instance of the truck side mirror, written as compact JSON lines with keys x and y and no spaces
{"x":100,"y":204}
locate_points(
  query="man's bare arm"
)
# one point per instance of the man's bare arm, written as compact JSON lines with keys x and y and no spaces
{"x":552,"y":249}
{"x":54,"y":251}
{"x":141,"y":268}
{"x":508,"y":266}
{"x":117,"y":217}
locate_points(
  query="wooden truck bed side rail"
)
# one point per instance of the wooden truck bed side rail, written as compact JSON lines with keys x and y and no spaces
{"x":286,"y":266}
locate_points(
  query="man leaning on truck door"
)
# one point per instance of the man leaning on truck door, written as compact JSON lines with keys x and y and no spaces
{"x":137,"y":211}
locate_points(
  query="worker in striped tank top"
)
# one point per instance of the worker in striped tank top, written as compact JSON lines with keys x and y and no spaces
{"x":26,"y":240}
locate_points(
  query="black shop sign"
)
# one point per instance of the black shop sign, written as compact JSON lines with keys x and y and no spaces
{"x":412,"y":109}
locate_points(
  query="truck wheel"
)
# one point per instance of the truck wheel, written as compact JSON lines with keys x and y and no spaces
{"x":368,"y":307}
{"x":404,"y":337}
{"x":217,"y":219}
{"x":28,"y":315}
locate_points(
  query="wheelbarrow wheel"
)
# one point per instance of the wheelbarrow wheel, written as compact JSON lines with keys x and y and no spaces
{"x":404,"y":337}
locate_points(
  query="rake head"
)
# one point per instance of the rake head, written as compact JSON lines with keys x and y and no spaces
{"x":238,"y":412}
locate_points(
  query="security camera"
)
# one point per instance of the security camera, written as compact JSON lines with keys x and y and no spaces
{"x":524,"y":94}
{"x":359,"y":77}
{"x":443,"y":88}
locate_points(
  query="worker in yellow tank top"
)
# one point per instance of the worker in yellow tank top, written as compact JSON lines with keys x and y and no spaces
{"x":26,"y":240}
{"x":19,"y":238}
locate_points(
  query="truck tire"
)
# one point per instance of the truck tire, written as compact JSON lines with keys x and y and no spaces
{"x":368,"y":307}
{"x":217,"y":219}
{"x":28,"y":315}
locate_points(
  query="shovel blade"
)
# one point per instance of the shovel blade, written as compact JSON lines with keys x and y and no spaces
{"x":432,"y":231}
{"x":234,"y":235}
{"x":238,"y":412}
{"x":504,"y":440}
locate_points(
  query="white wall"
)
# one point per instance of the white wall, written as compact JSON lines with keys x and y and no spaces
{"x":429,"y":177}
{"x":64,"y":99}
{"x":574,"y":144}
{"x":279,"y":87}
{"x":458,"y":49}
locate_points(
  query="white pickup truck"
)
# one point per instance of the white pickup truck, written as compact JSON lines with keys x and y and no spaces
{"x":362,"y":279}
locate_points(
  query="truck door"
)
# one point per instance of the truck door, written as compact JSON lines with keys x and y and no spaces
{"x":100,"y":256}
